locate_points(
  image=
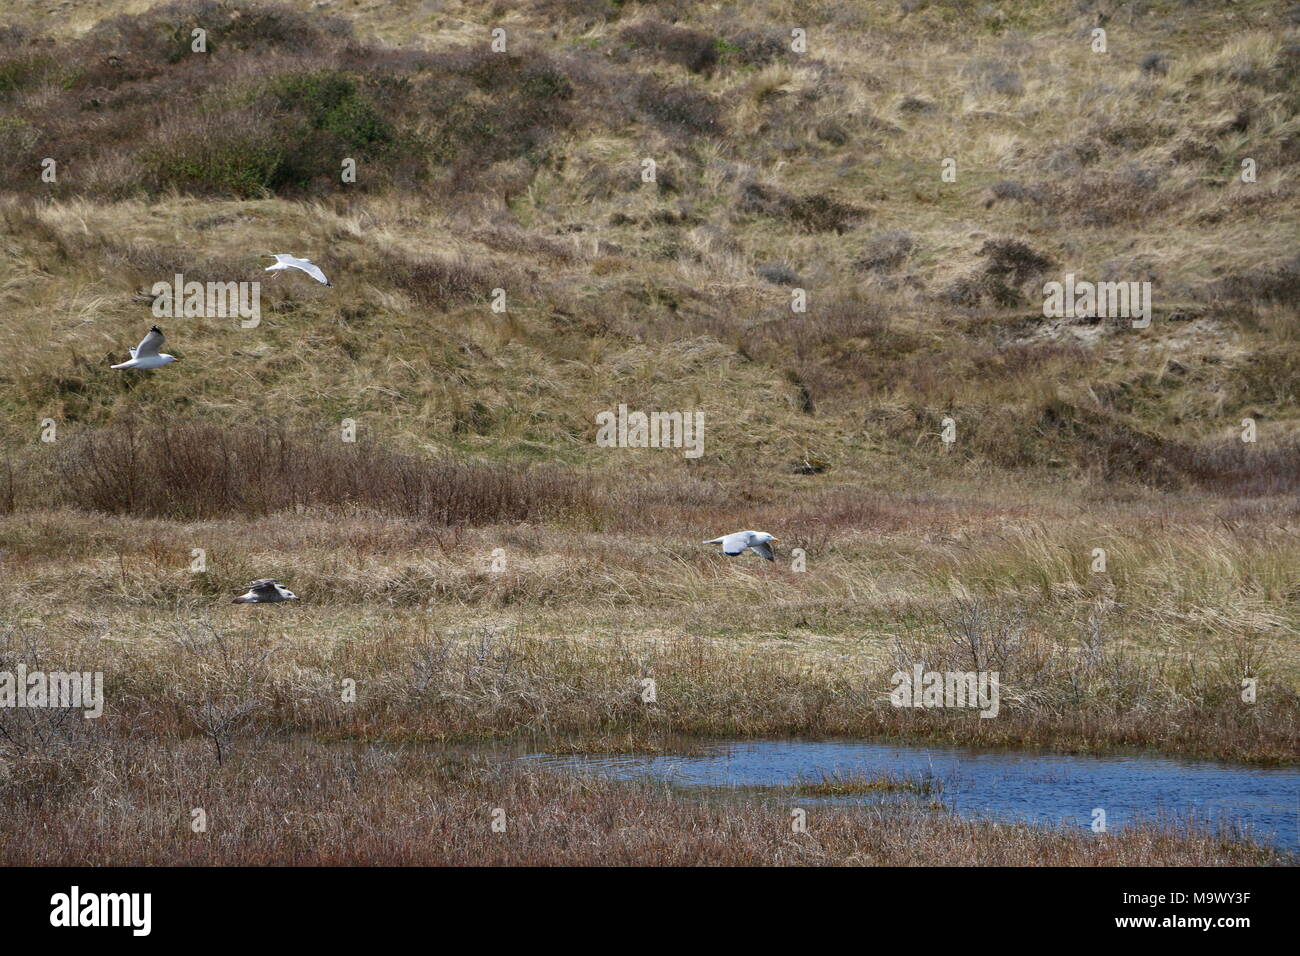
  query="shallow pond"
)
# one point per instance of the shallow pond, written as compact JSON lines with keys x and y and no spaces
{"x":1045,"y":788}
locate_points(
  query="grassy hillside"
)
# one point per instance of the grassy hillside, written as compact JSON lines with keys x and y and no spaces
{"x":521,"y":170}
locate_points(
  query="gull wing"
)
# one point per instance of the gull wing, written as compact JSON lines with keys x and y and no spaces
{"x":149,"y":345}
{"x":263,"y":585}
{"x":734,"y":544}
{"x":313,"y":270}
{"x":764,"y":549}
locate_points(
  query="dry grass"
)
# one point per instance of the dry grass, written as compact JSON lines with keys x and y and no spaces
{"x":775,"y":170}
{"x":304,"y":804}
{"x":558,"y":640}
{"x":849,"y":784}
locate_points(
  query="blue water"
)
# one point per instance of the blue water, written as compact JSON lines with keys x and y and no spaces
{"x":1263,"y":803}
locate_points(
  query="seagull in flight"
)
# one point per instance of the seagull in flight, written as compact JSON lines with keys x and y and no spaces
{"x":265,"y":591}
{"x":284,"y":261}
{"x":760,"y":542}
{"x":146,"y":354}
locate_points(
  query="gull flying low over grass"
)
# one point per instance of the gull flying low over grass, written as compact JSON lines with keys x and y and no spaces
{"x":284,"y":261}
{"x":265,"y":591}
{"x":760,"y":542}
{"x":146,"y":354}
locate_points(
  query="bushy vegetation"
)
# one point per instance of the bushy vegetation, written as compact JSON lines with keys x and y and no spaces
{"x":192,"y":470}
{"x":314,"y":805}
